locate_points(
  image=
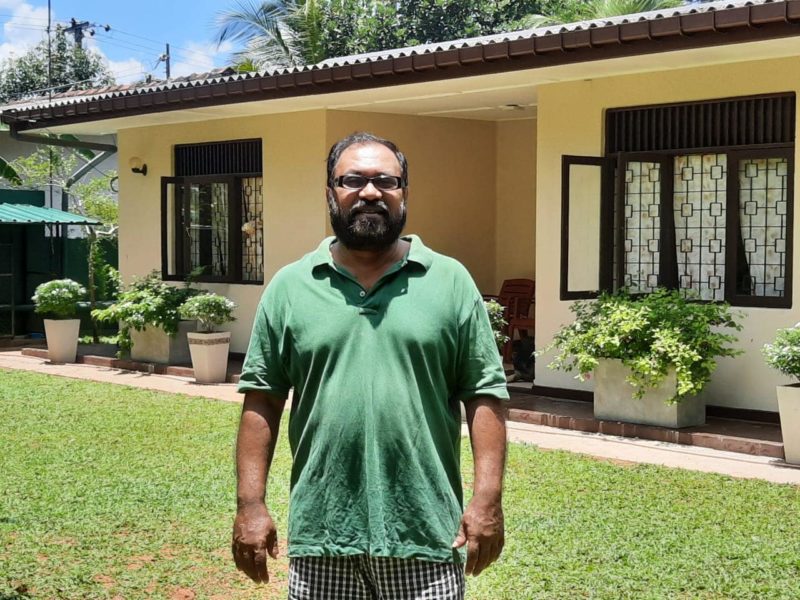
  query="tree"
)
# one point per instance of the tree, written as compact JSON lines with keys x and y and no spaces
{"x":291,"y":33}
{"x":570,"y":11}
{"x":71,"y":67}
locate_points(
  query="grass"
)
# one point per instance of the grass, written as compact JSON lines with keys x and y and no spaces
{"x":109,"y":491}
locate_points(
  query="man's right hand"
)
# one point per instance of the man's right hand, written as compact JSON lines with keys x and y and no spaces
{"x":254,"y":536}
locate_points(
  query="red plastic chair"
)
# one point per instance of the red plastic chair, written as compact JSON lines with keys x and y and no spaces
{"x":516,"y":297}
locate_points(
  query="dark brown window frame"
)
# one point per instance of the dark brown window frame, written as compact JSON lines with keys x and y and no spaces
{"x":611,"y":228}
{"x":179,"y":218}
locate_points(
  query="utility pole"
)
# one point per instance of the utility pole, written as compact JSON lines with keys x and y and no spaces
{"x":76,"y":30}
{"x":165,"y":58}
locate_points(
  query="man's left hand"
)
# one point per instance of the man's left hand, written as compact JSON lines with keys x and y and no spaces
{"x":482,"y":531}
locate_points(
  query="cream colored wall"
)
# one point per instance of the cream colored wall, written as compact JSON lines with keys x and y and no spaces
{"x":571,"y":118}
{"x":294,"y":206}
{"x":516,"y":201}
{"x":451,"y":203}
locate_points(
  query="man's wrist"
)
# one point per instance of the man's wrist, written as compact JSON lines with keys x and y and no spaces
{"x":487,"y":495}
{"x":245,"y":501}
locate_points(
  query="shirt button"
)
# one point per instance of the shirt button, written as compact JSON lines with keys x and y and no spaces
{"x":362,"y":293}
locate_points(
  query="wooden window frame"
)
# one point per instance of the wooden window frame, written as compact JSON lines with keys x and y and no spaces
{"x":180,"y":214}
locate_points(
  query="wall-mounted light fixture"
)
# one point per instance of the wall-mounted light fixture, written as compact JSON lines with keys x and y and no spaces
{"x":137,"y":166}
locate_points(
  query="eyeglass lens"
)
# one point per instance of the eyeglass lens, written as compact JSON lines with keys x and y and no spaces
{"x":382,"y":182}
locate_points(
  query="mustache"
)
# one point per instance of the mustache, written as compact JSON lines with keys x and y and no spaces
{"x":378,"y":207}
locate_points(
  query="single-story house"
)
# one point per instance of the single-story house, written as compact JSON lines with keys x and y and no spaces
{"x":572,"y":155}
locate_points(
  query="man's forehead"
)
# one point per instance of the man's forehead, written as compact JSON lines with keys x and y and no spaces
{"x":367,"y":154}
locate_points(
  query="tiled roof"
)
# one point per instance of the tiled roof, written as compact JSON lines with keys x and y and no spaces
{"x":230,"y":74}
{"x":688,"y":26}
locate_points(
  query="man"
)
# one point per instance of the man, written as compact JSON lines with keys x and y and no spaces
{"x":380,"y":338}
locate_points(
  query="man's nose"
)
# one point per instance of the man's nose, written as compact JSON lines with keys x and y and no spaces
{"x":370,"y":192}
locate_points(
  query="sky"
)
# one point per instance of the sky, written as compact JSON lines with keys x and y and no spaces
{"x":137,"y":37}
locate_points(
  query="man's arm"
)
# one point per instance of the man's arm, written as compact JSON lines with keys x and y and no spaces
{"x":482,"y":523}
{"x":254,"y":533}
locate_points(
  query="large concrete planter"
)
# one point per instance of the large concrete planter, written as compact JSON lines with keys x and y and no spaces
{"x":62,"y":339}
{"x":152,"y":344}
{"x":209,"y":356}
{"x":789,"y":409}
{"x":614,"y":401}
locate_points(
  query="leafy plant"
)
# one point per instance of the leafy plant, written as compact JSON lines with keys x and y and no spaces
{"x":784,"y":353}
{"x":58,"y":298}
{"x":649,"y":334}
{"x":148,"y":301}
{"x":209,"y":310}
{"x":496,"y":313}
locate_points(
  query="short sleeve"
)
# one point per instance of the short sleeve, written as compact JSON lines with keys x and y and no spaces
{"x":480,"y":370}
{"x":264,"y":368}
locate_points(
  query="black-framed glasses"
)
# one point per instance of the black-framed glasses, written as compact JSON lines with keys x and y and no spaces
{"x":384,"y":183}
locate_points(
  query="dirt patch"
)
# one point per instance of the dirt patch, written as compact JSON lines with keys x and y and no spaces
{"x":183,"y":594}
{"x":137,"y":562}
{"x":105,"y":580}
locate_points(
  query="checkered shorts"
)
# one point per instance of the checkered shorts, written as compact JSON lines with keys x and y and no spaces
{"x":365,"y":577}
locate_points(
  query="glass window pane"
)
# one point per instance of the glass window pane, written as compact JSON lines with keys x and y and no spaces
{"x":252,"y":229}
{"x":642,"y":223}
{"x":585,"y":191}
{"x":207,"y":229}
{"x":699,"y":206}
{"x":763,"y":222}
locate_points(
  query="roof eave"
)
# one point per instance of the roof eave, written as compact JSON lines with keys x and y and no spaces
{"x":680,"y":32}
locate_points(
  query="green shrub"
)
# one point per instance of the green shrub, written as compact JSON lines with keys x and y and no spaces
{"x":148,"y":301}
{"x":58,"y":298}
{"x":784,"y":353}
{"x":649,"y":334}
{"x":209,"y":310}
{"x":496,"y":313}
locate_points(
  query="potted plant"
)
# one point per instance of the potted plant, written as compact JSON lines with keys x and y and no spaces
{"x":151,"y":328}
{"x":784,"y":355}
{"x":209,"y":348}
{"x":498,"y":322}
{"x":650,"y":354}
{"x":58,"y":300}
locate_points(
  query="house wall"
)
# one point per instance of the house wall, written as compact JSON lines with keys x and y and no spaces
{"x":455,"y":184}
{"x":294,"y":211}
{"x":571,"y":120}
{"x":515,"y":228}
{"x":452,"y":181}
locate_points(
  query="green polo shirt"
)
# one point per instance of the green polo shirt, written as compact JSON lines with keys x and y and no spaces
{"x":375,"y":422}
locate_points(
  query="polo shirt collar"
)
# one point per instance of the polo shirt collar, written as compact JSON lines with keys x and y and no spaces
{"x":418,"y":252}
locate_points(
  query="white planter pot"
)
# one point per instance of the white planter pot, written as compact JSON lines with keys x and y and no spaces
{"x":614,"y":401}
{"x":153,"y":345}
{"x":210,"y":356}
{"x":789,"y":409}
{"x":62,"y":339}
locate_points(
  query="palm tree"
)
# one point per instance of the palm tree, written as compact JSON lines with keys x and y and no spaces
{"x":275,"y":33}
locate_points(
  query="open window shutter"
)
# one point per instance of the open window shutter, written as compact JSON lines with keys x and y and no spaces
{"x":587,"y":190}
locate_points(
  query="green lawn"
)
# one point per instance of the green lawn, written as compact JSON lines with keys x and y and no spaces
{"x":108,"y":491}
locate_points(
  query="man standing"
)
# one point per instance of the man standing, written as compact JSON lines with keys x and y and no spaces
{"x":380,"y":338}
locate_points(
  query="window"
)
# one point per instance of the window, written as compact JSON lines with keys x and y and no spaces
{"x":211,"y":214}
{"x":716,"y":220}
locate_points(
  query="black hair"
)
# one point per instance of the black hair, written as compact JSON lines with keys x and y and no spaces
{"x":362,"y":137}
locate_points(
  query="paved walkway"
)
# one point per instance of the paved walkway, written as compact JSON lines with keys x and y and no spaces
{"x":594,"y":444}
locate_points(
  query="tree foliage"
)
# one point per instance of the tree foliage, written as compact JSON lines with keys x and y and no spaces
{"x":289,"y":33}
{"x":72,"y":67}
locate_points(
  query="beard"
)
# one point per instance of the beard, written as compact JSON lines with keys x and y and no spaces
{"x":366,"y":225}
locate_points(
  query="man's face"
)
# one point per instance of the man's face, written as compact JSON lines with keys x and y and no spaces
{"x":368,"y":218}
